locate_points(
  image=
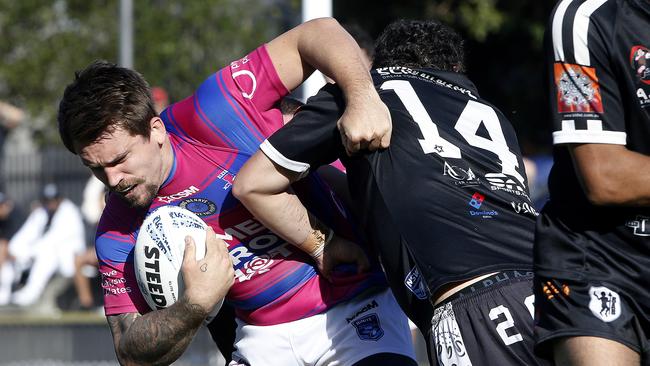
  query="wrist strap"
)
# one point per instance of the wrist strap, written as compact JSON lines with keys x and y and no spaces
{"x":322,"y":242}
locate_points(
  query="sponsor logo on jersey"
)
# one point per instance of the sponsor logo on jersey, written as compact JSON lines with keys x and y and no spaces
{"x":368,"y":328}
{"x":462,"y":177}
{"x":227,"y":177}
{"x":248,"y":84}
{"x":640,"y":225}
{"x":506,"y":183}
{"x":259,"y":246}
{"x":644,"y":97}
{"x":113,"y":285}
{"x":524,"y":208}
{"x":476,"y":202}
{"x":369,"y":306}
{"x":415,"y":284}
{"x":180,"y":195}
{"x":200,"y":206}
{"x":577,"y":89}
{"x":605,"y":304}
{"x":640,"y":63}
{"x":400,"y":71}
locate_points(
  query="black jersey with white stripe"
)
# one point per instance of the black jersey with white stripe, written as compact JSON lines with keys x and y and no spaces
{"x":450,"y":191}
{"x":598,"y":72}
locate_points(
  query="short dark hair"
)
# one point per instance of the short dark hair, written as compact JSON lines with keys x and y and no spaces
{"x":420,"y":43}
{"x":104,"y":97}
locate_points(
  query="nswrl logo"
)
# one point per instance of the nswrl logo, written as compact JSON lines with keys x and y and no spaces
{"x":368,"y":328}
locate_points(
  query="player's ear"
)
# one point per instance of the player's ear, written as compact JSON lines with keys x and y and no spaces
{"x":157,"y":128}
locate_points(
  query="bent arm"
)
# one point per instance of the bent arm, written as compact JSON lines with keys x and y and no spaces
{"x":271,"y":202}
{"x":324,"y":45}
{"x":612,"y":174}
{"x":160,"y":337}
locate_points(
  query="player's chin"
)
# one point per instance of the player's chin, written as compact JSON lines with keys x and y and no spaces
{"x":139,"y":197}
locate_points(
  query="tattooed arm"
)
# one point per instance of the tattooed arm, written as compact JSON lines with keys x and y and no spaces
{"x":160,"y":337}
{"x":157,"y":338}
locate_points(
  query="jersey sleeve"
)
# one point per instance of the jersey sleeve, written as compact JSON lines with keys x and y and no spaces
{"x":585,"y":101}
{"x":235,"y":108}
{"x":114,"y":245}
{"x":311,"y":139}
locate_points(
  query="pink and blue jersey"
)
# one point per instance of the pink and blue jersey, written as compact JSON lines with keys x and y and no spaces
{"x":213,"y":132}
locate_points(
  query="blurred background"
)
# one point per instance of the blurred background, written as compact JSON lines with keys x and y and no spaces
{"x":175,"y":45}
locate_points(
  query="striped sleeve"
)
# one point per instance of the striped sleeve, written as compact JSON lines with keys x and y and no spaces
{"x":584,"y":98}
{"x":114,"y":245}
{"x":235,"y":108}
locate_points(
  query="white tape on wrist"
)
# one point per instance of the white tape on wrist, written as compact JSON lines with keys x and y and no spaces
{"x":321,"y":246}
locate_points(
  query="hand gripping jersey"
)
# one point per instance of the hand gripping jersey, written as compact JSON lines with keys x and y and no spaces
{"x":599,"y":89}
{"x":451,"y":188}
{"x":212,"y":133}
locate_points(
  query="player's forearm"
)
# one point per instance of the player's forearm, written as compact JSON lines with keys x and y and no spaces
{"x":612,"y":175}
{"x":269,"y":200}
{"x":285,"y":215}
{"x":160,"y":337}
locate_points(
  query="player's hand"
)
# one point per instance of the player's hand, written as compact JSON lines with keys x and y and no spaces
{"x":341,"y":251}
{"x":365,"y":124}
{"x":207,"y":280}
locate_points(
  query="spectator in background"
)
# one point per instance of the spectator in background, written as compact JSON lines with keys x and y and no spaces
{"x":85,"y":262}
{"x":10,"y":117}
{"x":46,"y":244}
{"x":11,"y":217}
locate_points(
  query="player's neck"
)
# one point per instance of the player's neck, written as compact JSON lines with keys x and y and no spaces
{"x":167,"y":159}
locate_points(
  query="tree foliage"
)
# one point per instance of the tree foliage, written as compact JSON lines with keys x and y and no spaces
{"x":177,"y":44}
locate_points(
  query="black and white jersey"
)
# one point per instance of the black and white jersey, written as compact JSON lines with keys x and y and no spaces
{"x":450,"y":193}
{"x":599,"y":87}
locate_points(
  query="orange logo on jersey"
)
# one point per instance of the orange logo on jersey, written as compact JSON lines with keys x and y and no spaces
{"x":550,"y":290}
{"x":577,"y":88}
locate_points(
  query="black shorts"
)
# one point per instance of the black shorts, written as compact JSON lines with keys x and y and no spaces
{"x":489,"y":326}
{"x":590,"y":283}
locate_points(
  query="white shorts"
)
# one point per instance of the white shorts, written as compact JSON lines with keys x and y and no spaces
{"x":349,"y":332}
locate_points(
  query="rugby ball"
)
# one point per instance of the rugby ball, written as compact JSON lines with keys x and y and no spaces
{"x":158,"y":254}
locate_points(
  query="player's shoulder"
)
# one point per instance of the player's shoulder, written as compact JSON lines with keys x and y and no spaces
{"x":118,"y":217}
{"x":571,"y":17}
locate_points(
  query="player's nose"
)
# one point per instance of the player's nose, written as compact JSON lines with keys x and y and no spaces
{"x":113,"y":176}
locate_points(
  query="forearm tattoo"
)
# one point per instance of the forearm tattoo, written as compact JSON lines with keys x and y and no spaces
{"x":158,"y":337}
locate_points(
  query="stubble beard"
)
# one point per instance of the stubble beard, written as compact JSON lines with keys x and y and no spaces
{"x":142,"y":202}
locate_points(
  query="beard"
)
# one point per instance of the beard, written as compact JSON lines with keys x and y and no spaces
{"x":142,"y":201}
